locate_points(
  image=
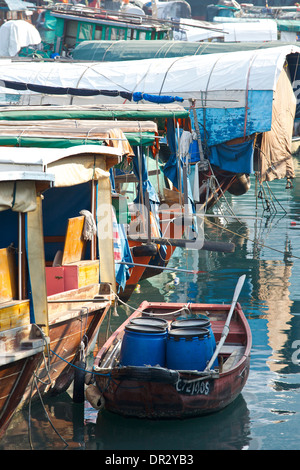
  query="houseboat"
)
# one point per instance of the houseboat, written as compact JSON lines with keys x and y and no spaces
{"x":236,"y":121}
{"x":65,"y":25}
{"x":143,"y":171}
{"x":24,"y":322}
{"x":64,"y":294}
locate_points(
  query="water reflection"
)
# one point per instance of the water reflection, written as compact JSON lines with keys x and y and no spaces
{"x":79,"y":427}
{"x":115,"y":432}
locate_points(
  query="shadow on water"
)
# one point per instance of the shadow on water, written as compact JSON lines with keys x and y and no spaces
{"x":77,"y":426}
{"x":205,"y":433}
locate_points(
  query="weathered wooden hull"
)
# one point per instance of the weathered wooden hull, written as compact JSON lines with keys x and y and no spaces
{"x":69,"y":324}
{"x":226,"y":181}
{"x":130,"y":393}
{"x":185,"y":399}
{"x":17,"y":366}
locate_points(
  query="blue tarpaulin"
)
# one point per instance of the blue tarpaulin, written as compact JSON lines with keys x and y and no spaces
{"x":138,"y":96}
{"x":236,"y":158}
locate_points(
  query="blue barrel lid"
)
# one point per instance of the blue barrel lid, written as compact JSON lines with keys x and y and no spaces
{"x":149,"y":322}
{"x":145,"y":329}
{"x":188,"y":333}
{"x":191,"y":323}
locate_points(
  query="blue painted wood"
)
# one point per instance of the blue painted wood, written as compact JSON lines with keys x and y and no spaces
{"x":221,"y":125}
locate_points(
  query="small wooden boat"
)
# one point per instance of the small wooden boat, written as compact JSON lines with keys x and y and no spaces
{"x":159,"y":391}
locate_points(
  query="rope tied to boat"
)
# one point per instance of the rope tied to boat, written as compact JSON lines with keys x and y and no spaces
{"x":186,"y":307}
{"x":35,"y":381}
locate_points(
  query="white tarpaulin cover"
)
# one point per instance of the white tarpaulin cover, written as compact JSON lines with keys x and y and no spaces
{"x":234,"y":91}
{"x":218,"y":75}
{"x":264,"y":30}
{"x":15,"y":34}
{"x":69,"y":166}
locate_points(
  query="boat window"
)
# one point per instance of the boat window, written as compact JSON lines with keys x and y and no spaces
{"x":142,"y":35}
{"x":122,"y":33}
{"x":71,"y":33}
{"x":98,"y":33}
{"x":85,"y":31}
{"x":134,"y":34}
{"x":114,"y":34}
{"x":106,"y":34}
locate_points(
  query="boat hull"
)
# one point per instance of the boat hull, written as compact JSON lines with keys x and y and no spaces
{"x":187,"y":398}
{"x":70,"y":325}
{"x":17,"y":366}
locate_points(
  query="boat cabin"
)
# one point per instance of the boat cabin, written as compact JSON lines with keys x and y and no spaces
{"x":15,"y":10}
{"x":21,"y":248}
{"x":74,"y":25}
{"x":23,"y":302}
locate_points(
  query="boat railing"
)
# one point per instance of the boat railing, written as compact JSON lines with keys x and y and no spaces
{"x":83,"y":10}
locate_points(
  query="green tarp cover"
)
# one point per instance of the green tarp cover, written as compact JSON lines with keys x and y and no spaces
{"x":288,"y":25}
{"x":121,"y":112}
{"x":112,"y":51}
{"x":146,"y":139}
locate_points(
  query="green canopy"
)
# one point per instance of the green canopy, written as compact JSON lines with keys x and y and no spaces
{"x":112,"y":51}
{"x":123,"y":111}
{"x":288,"y":25}
{"x":145,"y":139}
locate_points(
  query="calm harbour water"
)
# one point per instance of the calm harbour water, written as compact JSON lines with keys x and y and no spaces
{"x":266,"y":416}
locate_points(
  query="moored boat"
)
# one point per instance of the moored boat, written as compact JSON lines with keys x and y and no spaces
{"x":70,"y":293}
{"x":24,"y":330}
{"x":61,"y":127}
{"x":173,"y":371}
{"x":235,"y":124}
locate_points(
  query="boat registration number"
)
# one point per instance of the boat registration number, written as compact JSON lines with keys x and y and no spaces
{"x":195,"y":387}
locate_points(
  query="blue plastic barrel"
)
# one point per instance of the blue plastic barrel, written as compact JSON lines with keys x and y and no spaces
{"x":188,"y":348}
{"x":198,"y":323}
{"x":143,"y":345}
{"x":146,"y":321}
{"x":195,"y":323}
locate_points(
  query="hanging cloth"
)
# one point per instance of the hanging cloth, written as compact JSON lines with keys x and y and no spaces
{"x":174,"y":166}
{"x":89,"y":228}
{"x":121,"y":253}
{"x":237,"y":158}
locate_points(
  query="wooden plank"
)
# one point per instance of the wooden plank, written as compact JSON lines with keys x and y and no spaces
{"x":234,"y":358}
{"x":14,"y":314}
{"x":88,"y":273}
{"x":171,"y":196}
{"x":8,"y":275}
{"x":75,"y":244}
{"x":36,"y":265}
{"x":105,"y":233}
